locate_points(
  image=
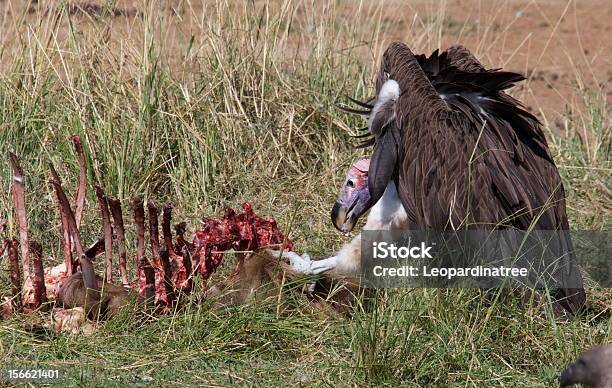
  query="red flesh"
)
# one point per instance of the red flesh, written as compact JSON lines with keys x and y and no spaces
{"x":243,"y":232}
{"x":180,"y":277}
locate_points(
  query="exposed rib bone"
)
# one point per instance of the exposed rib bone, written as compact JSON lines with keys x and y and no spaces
{"x":82,"y":189}
{"x":66,"y":244}
{"x":108,"y":235}
{"x":89,"y":275}
{"x":115,"y":208}
{"x":167,"y":233}
{"x":38,"y":278}
{"x":180,"y":277}
{"x":13,"y":257}
{"x":161,"y":295}
{"x":168,"y":253}
{"x":146,"y":275}
{"x":18,"y":191}
{"x":184,"y":249}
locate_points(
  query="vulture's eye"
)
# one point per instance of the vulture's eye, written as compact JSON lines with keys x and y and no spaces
{"x":350,"y":183}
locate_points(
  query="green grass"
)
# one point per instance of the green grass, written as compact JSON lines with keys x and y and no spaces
{"x":232,"y":102}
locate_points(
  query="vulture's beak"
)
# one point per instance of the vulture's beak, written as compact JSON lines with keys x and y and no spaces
{"x":339,"y":218}
{"x":345,"y":215}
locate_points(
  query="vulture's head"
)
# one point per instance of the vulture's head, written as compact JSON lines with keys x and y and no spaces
{"x":593,"y":369}
{"x":367,"y":179}
{"x":354,"y":198}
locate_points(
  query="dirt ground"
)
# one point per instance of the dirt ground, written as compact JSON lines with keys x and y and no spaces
{"x":561,"y":45}
{"x":557,"y":43}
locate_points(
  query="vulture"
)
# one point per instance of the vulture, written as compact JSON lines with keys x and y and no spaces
{"x":462,"y":154}
{"x":593,"y":369}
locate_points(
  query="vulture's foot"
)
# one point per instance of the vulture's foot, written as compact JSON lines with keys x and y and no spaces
{"x":305,"y":265}
{"x":320,"y":266}
{"x":300,"y":264}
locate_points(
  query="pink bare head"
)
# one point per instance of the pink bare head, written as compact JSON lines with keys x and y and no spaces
{"x":353,"y":198}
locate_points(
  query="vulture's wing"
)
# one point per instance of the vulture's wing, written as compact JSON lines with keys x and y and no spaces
{"x":461,"y":58}
{"x":470,"y":156}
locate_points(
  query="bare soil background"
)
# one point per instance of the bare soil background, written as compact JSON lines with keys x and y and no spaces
{"x":561,"y":46}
